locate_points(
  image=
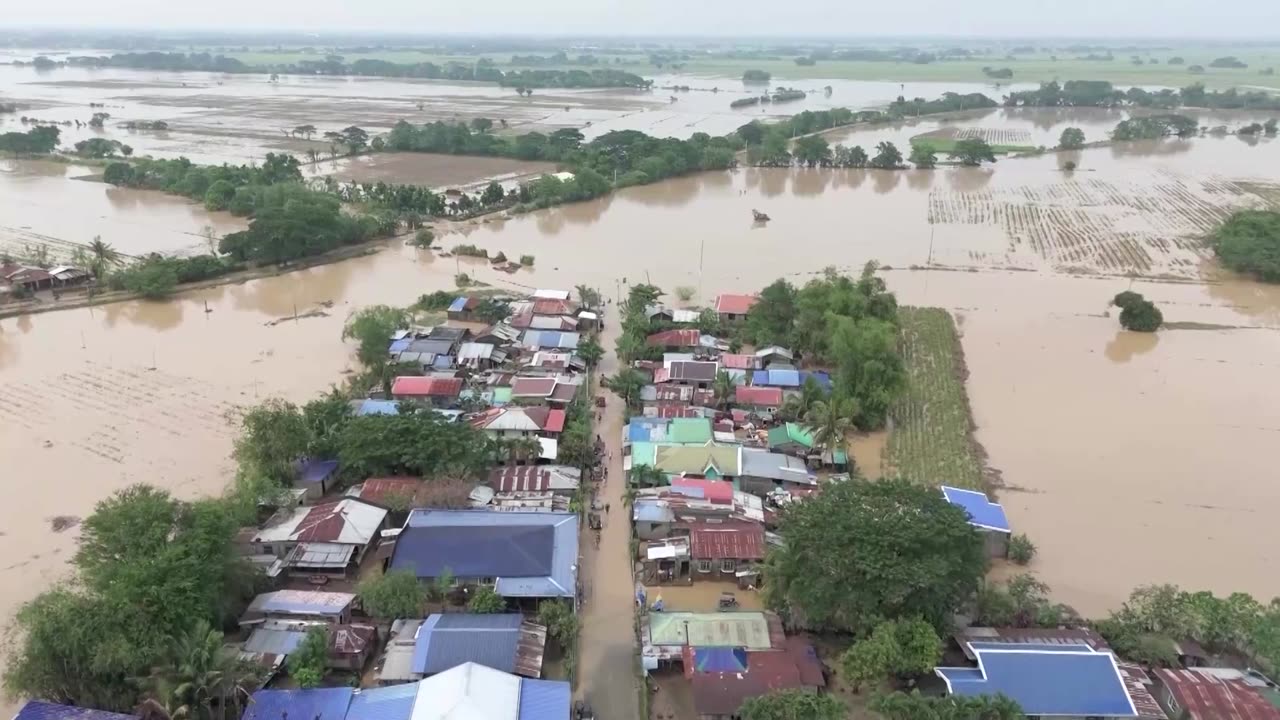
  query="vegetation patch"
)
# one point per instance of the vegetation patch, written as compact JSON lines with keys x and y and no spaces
{"x":1249,"y":242}
{"x":931,"y":441}
{"x":947,"y":143}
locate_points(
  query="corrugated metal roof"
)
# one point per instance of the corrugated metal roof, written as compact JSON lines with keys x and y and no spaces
{"x":711,"y":629}
{"x":459,"y":304}
{"x":722,"y":693}
{"x":274,"y":641}
{"x":1207,"y":697}
{"x":301,"y":602}
{"x":446,"y":641}
{"x":40,"y":710}
{"x":687,"y":338}
{"x":313,"y":704}
{"x":735,"y":304}
{"x":378,"y":407}
{"x":982,"y":512}
{"x":413,"y":386}
{"x":468,"y":692}
{"x":348,"y":521}
{"x":758,"y":396}
{"x":314,"y":471}
{"x":394,"y":702}
{"x":737,"y":541}
{"x":544,"y":699}
{"x":1045,"y":680}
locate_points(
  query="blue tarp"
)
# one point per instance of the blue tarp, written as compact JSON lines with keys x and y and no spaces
{"x":544,"y":699}
{"x":378,"y":407}
{"x":720,"y":659}
{"x":446,"y":641}
{"x":314,"y":704}
{"x":458,"y":305}
{"x":1065,"y":680}
{"x":776,"y":378}
{"x":40,"y":710}
{"x":316,"y":471}
{"x":982,"y":512}
{"x":822,"y":378}
{"x":394,"y":702}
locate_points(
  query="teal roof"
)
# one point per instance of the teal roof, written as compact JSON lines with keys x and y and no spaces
{"x":643,"y":453}
{"x":689,"y":431}
{"x":790,"y":433}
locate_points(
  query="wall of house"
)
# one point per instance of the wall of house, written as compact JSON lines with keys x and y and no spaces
{"x":717,"y":569}
{"x":997,"y":544}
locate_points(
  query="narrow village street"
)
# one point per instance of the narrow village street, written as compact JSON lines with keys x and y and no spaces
{"x":607,"y":669}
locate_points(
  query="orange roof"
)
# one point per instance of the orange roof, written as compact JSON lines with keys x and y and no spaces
{"x":735,"y":304}
{"x":738,"y":541}
{"x":767,"y":396}
{"x":674,"y":338}
{"x":426,"y":387}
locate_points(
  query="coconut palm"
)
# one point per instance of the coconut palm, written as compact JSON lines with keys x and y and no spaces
{"x":829,"y":420}
{"x":723,"y":388}
{"x":646,"y":476}
{"x":103,"y":257}
{"x":525,"y":448}
{"x":201,"y":679}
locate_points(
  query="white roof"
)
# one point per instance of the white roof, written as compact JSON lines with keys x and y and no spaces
{"x":360,"y":522}
{"x":512,"y":418}
{"x":468,"y":692}
{"x":563,"y":176}
{"x":551,"y":294}
{"x":550,"y":448}
{"x":682,"y":317}
{"x":588,"y":315}
{"x":473,"y":351}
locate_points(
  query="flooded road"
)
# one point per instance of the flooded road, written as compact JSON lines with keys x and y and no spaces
{"x":1103,"y":438}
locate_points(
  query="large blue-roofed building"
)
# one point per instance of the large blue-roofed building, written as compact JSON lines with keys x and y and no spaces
{"x":394,"y":702}
{"x":503,"y":642}
{"x":40,"y":710}
{"x":986,"y":516}
{"x":313,"y":704}
{"x":524,"y":555}
{"x":1045,"y":680}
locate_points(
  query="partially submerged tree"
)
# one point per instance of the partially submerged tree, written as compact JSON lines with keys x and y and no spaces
{"x":1071,"y":139}
{"x":923,"y":156}
{"x":793,"y":705}
{"x":972,"y":152}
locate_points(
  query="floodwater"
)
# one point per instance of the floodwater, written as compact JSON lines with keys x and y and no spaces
{"x":1105,"y":439}
{"x":432,"y":170}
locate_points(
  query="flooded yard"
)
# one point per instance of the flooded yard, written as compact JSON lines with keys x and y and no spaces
{"x":432,"y":170}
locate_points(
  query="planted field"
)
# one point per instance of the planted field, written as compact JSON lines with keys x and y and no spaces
{"x":1001,"y":140}
{"x":931,"y":440}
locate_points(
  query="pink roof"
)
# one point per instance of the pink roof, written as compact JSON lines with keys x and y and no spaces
{"x":737,"y":361}
{"x":674,"y":338}
{"x":426,"y":387}
{"x":669,"y":412}
{"x":555,"y":421}
{"x":715,"y":491}
{"x":735,"y":304}
{"x":1207,"y":697}
{"x":737,"y":541}
{"x":533,"y":387}
{"x":766,"y":396}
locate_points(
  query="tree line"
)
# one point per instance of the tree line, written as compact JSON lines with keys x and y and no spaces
{"x":1100,"y":93}
{"x":36,"y":141}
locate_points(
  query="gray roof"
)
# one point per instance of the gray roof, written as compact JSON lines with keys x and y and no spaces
{"x":450,"y":640}
{"x":432,"y":347}
{"x":775,"y":466}
{"x":274,"y":641}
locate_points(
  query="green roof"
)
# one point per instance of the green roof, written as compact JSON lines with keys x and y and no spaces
{"x":790,"y":433}
{"x":642,"y":453}
{"x":696,"y":459}
{"x":712,"y":629}
{"x":689,"y":431}
{"x":501,"y":396}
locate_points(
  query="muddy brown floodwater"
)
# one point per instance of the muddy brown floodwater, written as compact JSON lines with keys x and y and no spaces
{"x":1113,"y":445}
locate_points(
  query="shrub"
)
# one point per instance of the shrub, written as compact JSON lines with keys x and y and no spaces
{"x":1249,"y":242}
{"x":438,"y":300}
{"x":470,"y":251}
{"x":526,"y":260}
{"x":462,"y":280}
{"x":498,"y":259}
{"x":423,"y":238}
{"x":1069,"y":165}
{"x":1126,"y":298}
{"x":1021,"y":549}
{"x":1142,"y":317}
{"x":685,"y":293}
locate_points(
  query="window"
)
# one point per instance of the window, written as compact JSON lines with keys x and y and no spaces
{"x":704,"y":566}
{"x":267,"y":550}
{"x":728,"y":565}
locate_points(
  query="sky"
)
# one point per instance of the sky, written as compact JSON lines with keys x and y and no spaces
{"x":828,"y":18}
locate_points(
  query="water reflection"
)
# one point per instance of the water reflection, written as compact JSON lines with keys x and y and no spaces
{"x":920,"y":179}
{"x":1126,"y":345}
{"x":1149,"y":148}
{"x":969,"y":179}
{"x":809,"y":182}
{"x":155,"y":314}
{"x":884,"y":181}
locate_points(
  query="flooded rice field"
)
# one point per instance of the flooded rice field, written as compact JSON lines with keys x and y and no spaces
{"x":429,"y":169}
{"x":1104,"y":438}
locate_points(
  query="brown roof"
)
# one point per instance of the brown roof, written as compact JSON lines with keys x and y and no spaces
{"x":564,"y":392}
{"x":1032,"y":636}
{"x":736,"y":541}
{"x":749,"y":395}
{"x":377,"y":490}
{"x":554,"y":307}
{"x":811,"y":668}
{"x":1208,"y":697}
{"x":527,"y":478}
{"x":674,"y":338}
{"x":696,"y":371}
{"x":1138,"y":683}
{"x":351,"y":639}
{"x":722,"y":693}
{"x":537,"y":387}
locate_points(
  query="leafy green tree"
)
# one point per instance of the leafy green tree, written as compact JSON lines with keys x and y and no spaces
{"x":891,"y":549}
{"x":103,"y":257}
{"x":1021,"y":602}
{"x":372,"y":328}
{"x":972,"y":152}
{"x":273,"y":435}
{"x":923,"y":156}
{"x":888,"y":156}
{"x":869,"y":369}
{"x":590,"y":351}
{"x":752,"y":133}
{"x":1071,"y":139}
{"x":830,"y":421}
{"x":771,"y":320}
{"x":1143,"y":316}
{"x":559,"y":620}
{"x":325,"y":417}
{"x":392,"y":595}
{"x":723,"y":388}
{"x":589,"y":297}
{"x":914,"y":706}
{"x":1128,"y":298}
{"x":626,"y":384}
{"x":355,"y":139}
{"x":901,"y":648}
{"x":153,"y":278}
{"x":305,"y":131}
{"x":813,"y":151}
{"x":1249,"y":242}
{"x":1021,"y":549}
{"x":493,"y":193}
{"x":793,"y":705}
{"x":486,"y":600}
{"x":308,"y":661}
{"x":441,"y":585}
{"x":481,"y":124}
{"x":420,"y":444}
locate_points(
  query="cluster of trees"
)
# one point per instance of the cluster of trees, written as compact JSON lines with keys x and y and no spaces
{"x":154,"y":579}
{"x":1137,"y":313}
{"x":483,"y":69}
{"x":1150,"y":127}
{"x":102,"y":148}
{"x":155,"y":276}
{"x":1249,"y":242}
{"x":1072,"y":138}
{"x":219,"y":187}
{"x":814,"y":151}
{"x":1100,"y":93}
{"x":1267,"y":128}
{"x":756,"y":76}
{"x":36,"y":141}
{"x":846,"y":323}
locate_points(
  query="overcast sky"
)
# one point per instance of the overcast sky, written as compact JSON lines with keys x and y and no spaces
{"x":1058,"y":18}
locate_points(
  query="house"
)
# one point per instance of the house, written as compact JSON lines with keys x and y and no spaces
{"x":26,"y":277}
{"x":503,"y":642}
{"x":734,"y":308}
{"x":514,"y":421}
{"x":525,"y":556}
{"x":463,"y":308}
{"x":1066,"y":679}
{"x":383,"y":703}
{"x":764,"y":471}
{"x":555,"y":479}
{"x":472,"y":691}
{"x":774,"y":354}
{"x":313,"y":704}
{"x":554,"y":307}
{"x":396,"y":665}
{"x":709,"y":461}
{"x":349,"y":646}
{"x":695,"y":374}
{"x":722,"y":551}
{"x":370,"y":406}
{"x":589,"y":320}
{"x":675,"y":340}
{"x":786,"y":378}
{"x":665,"y":635}
{"x":434,"y":391}
{"x":762,"y":400}
{"x":388,"y":492}
{"x":724,"y":678}
{"x":1141,"y":691}
{"x":498,"y":334}
{"x":986,"y":516}
{"x":322,"y":539}
{"x":40,"y":710}
{"x":666,"y":560}
{"x":315,"y":478}
{"x":716,"y":492}
{"x":557,"y":391}
{"x":549,"y":340}
{"x":966,"y":637}
{"x":546,"y":362}
{"x":792,"y":439}
{"x":480,"y":356}
{"x":652,"y":518}
{"x":1212,"y":694}
{"x":311,"y":605}
{"x":739,"y":361}
{"x":689,"y":431}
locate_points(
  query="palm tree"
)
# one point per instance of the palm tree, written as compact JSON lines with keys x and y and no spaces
{"x":590,"y":351}
{"x":723,"y":388}
{"x":829,"y":420}
{"x":589,"y":297}
{"x":646,"y":476}
{"x":199,"y":675}
{"x":626,"y":384}
{"x":525,"y":448}
{"x":104,"y":256}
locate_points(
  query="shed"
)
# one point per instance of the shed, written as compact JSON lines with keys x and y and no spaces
{"x":988,"y":517}
{"x":332,"y":607}
{"x":1200,"y":694}
{"x":315,"y":477}
{"x":734,"y":308}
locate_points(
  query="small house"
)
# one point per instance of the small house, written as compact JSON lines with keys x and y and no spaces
{"x":514,"y":421}
{"x":554,"y":479}
{"x":694,"y":374}
{"x":397,"y":662}
{"x":986,"y":516}
{"x":723,"y":551}
{"x":463,"y":308}
{"x":40,"y":710}
{"x":434,"y":391}
{"x":1212,"y":694}
{"x":327,"y":703}
{"x":325,"y":539}
{"x":315,"y":478}
{"x":734,"y":308}
{"x":723,"y":678}
{"x":480,"y":356}
{"x":333,"y":608}
{"x":500,"y":641}
{"x":715,"y":462}
{"x":675,"y":340}
{"x":759,"y":400}
{"x":764,"y":472}
{"x":792,"y":439}
{"x":739,"y":361}
{"x":783,"y":378}
{"x":652,"y":518}
{"x":550,"y":340}
{"x":774,"y":354}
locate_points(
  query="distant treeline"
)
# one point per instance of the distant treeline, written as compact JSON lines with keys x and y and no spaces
{"x":1100,"y":93}
{"x":483,"y":70}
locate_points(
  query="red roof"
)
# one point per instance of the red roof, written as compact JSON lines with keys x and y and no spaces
{"x":555,"y":421}
{"x":376,"y":490}
{"x":735,"y":304}
{"x":1208,"y":697}
{"x":738,"y":361}
{"x":716,"y":491}
{"x":736,"y":541}
{"x":564,"y":392}
{"x":426,"y":387}
{"x":722,"y":693}
{"x":528,"y":478}
{"x":760,"y":396}
{"x":674,"y":338}
{"x":553,"y":307}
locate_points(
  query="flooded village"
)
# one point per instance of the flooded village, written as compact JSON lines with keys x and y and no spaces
{"x":622,"y":453}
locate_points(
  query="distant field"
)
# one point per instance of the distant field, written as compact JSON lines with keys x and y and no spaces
{"x":930,"y":441}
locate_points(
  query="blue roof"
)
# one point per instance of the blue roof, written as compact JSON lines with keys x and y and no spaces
{"x":446,"y":641}
{"x":651,"y":511}
{"x":544,"y":699}
{"x":720,"y":659}
{"x":40,"y":710}
{"x":394,"y":702}
{"x":982,"y":512}
{"x":313,"y":704}
{"x":776,"y":378}
{"x":822,"y":377}
{"x":398,"y":346}
{"x":315,"y":471}
{"x":531,"y":554}
{"x":442,"y":362}
{"x":643,"y":429}
{"x":379,"y":407}
{"x":1064,"y":680}
{"x":459,"y":304}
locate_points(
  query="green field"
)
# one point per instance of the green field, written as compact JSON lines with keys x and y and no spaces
{"x":931,"y":439}
{"x":944,"y":145}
